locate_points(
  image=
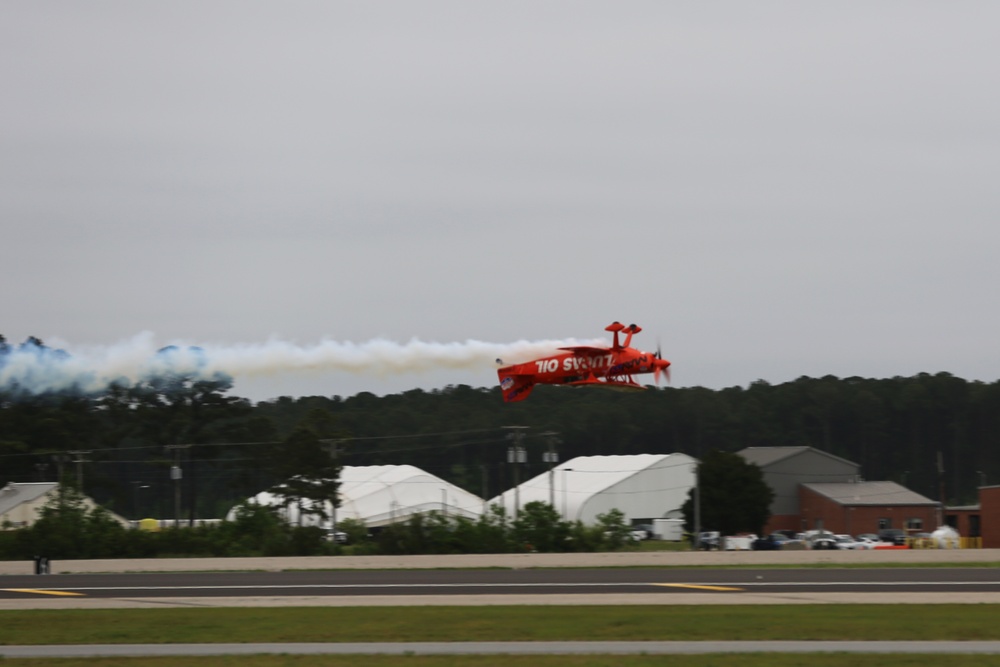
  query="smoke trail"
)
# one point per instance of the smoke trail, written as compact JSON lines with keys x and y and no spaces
{"x":35,"y":370}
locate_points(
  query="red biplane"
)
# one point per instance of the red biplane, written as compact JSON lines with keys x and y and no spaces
{"x":585,"y":365}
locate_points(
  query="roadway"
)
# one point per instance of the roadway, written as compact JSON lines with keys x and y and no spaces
{"x":511,"y":579}
{"x":621,"y":585}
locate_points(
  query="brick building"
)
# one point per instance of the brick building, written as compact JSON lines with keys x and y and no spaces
{"x":814,"y":489}
{"x":785,"y":468}
{"x":989,"y":508}
{"x":980,"y":521}
{"x":866,"y":507}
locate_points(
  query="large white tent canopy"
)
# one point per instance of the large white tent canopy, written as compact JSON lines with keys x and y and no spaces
{"x":382,"y":495}
{"x":642,"y":486}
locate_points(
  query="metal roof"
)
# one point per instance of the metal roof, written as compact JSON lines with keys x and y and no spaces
{"x":869,"y":493}
{"x":573,"y":483}
{"x":380,"y":495}
{"x":765,"y":456}
{"x":17,"y":493}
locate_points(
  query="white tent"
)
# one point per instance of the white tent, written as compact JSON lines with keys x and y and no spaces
{"x":381,"y":495}
{"x":642,"y":486}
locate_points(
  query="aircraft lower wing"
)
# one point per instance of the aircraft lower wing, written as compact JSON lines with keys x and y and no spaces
{"x":610,"y":384}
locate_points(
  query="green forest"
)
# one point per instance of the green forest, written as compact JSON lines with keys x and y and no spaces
{"x":935,"y":433}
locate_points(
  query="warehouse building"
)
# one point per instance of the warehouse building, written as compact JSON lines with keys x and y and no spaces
{"x":383,"y":495}
{"x":786,"y":468}
{"x":645,"y":487}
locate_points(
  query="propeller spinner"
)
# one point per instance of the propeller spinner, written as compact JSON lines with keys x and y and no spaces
{"x":660,"y":365}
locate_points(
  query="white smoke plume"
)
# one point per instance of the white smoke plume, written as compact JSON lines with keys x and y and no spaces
{"x":34,"y":370}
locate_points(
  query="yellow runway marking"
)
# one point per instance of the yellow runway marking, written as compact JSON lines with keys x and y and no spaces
{"x":39,"y":592}
{"x":703,"y":588}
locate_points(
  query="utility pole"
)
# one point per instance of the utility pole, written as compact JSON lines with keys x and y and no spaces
{"x":176,"y":474}
{"x":940,"y":469}
{"x":79,"y":461}
{"x":516,"y":456}
{"x":551,"y":457}
{"x":482,"y":469}
{"x":333,"y":449}
{"x":697,"y":506}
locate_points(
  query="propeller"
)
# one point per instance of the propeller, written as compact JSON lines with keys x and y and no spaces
{"x":660,"y":365}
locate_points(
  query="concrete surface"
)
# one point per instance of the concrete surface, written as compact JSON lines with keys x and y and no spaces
{"x":915,"y":557}
{"x":503,"y":648}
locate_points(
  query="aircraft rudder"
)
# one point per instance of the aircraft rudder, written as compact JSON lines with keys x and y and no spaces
{"x":515,"y":387}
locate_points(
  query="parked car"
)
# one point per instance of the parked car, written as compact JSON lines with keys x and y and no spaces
{"x":790,"y":543}
{"x":824,"y":542}
{"x":788,"y":534}
{"x":769,"y":543}
{"x":709,"y":540}
{"x":642,"y":531}
{"x":867,"y":540}
{"x":847,"y":542}
{"x":895,"y":536}
{"x":820,"y":539}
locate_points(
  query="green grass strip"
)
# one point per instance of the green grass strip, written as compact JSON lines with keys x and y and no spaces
{"x":502,"y":623}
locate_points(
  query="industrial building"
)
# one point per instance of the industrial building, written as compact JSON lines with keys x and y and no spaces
{"x":382,"y":495}
{"x":21,"y":503}
{"x":645,"y":487}
{"x":785,"y":468}
{"x":866,"y":507}
{"x":817,"y":490}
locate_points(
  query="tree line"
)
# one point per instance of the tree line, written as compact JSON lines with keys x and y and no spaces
{"x":137,"y":448}
{"x":67,"y":529}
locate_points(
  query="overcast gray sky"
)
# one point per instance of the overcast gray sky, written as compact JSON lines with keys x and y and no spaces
{"x":770,"y":189}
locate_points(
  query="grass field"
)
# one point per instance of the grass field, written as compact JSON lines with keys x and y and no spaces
{"x":502,"y":623}
{"x":619,"y":623}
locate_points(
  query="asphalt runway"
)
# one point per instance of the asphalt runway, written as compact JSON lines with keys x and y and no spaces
{"x":511,"y":586}
{"x":671,"y":578}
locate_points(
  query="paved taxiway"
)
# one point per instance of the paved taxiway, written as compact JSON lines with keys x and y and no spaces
{"x":911,"y":583}
{"x":548,"y":579}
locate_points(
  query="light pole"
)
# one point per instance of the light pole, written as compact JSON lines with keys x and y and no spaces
{"x":551,"y":457}
{"x":177,"y":474}
{"x":135,"y":497}
{"x":517,"y":456}
{"x":79,"y":460}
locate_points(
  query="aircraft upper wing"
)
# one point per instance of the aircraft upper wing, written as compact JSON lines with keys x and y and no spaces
{"x":586,"y":349}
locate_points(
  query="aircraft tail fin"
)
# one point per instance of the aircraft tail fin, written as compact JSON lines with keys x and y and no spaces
{"x":515,"y":387}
